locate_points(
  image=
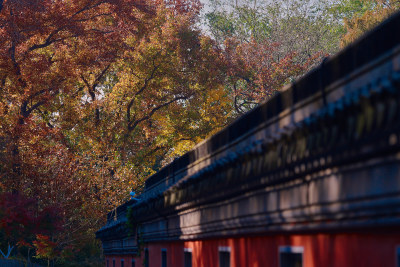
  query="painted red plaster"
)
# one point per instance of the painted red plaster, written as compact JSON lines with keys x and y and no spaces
{"x":328,"y":250}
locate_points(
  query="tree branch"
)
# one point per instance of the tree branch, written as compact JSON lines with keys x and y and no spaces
{"x":87,"y":7}
{"x":25,"y":111}
{"x":133,"y":124}
{"x":49,"y":42}
{"x":49,"y":39}
{"x":146,"y":82}
{"x":96,"y":82}
{"x":92,"y":90}
{"x":88,"y":86}
{"x":92,"y":17}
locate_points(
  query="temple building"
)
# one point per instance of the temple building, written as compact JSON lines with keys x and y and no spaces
{"x":309,"y":178}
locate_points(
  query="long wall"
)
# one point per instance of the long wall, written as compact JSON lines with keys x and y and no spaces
{"x":313,"y":173}
{"x":330,"y":161}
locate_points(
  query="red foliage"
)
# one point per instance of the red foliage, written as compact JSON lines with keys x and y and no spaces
{"x":257,"y":70}
{"x":17,"y":215}
{"x":21,"y":220}
{"x":45,"y":248}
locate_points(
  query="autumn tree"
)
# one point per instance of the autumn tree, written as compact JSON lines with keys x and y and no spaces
{"x":21,"y":221}
{"x":268,"y":45}
{"x":162,"y":96}
{"x":42,"y":52}
{"x":96,"y":95}
{"x":45,"y":47}
{"x":255,"y":74}
{"x":361,"y":16}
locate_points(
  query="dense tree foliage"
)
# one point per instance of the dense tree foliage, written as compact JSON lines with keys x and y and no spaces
{"x":269,"y":45}
{"x":93,"y":94}
{"x":361,"y":16}
{"x":96,"y":95}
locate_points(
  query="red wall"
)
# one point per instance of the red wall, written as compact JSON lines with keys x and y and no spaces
{"x":328,"y":250}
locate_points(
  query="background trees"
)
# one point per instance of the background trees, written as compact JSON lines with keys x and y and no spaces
{"x":269,"y":44}
{"x":361,"y":16}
